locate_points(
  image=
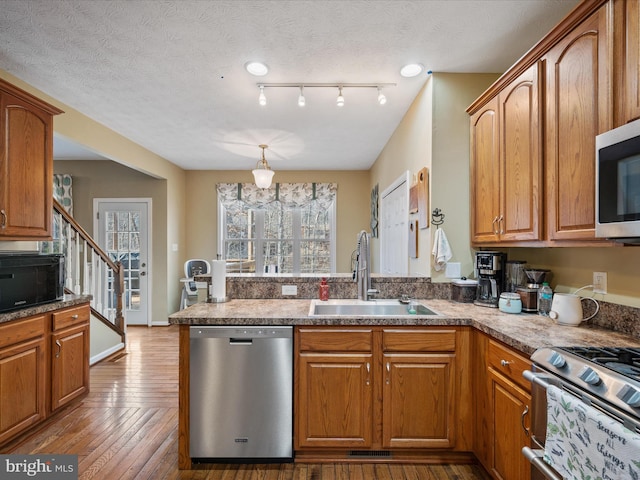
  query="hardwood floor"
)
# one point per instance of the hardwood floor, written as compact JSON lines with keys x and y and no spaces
{"x":127,"y":428}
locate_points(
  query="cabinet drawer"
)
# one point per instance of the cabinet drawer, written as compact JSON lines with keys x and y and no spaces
{"x":509,"y":363}
{"x":70,"y":316}
{"x":21,"y":330}
{"x":335,"y":340}
{"x":416,"y":340}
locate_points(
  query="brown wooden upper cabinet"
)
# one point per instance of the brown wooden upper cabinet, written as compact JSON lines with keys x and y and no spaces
{"x":631,"y":71}
{"x":533,"y":134}
{"x":26,"y":165}
{"x":506,"y":164}
{"x":579,"y":107}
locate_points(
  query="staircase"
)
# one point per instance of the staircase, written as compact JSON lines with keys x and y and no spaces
{"x":88,"y":270}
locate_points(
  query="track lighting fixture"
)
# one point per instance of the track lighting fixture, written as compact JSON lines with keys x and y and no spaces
{"x":382,"y":99}
{"x":262,"y":100}
{"x":263,"y":173}
{"x":340,"y":99}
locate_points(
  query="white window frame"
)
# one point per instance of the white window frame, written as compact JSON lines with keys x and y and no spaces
{"x":259,"y":238}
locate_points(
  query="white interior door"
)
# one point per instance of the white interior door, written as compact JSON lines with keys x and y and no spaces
{"x":122,"y":230}
{"x":394,"y":228}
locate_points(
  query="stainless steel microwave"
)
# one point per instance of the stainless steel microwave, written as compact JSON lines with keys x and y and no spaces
{"x":618,"y":183}
{"x":30,"y":279}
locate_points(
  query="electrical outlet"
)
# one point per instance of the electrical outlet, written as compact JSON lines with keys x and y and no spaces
{"x":289,"y":289}
{"x":599,"y":282}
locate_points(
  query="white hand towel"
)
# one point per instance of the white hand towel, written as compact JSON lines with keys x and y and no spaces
{"x":583,"y":442}
{"x":441,"y":250}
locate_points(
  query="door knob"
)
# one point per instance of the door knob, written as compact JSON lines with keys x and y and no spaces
{"x":142,"y":274}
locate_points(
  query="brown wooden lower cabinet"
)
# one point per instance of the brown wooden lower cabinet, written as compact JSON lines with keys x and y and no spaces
{"x":503,"y":400}
{"x":42,"y":369}
{"x":372,"y":388}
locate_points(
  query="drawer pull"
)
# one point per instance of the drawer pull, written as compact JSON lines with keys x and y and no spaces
{"x":75,"y":317}
{"x":505,"y":363}
{"x":59,"y":348}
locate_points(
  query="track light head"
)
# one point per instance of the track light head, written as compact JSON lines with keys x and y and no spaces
{"x":340,"y":99}
{"x":262,"y":99}
{"x":301,"y":100}
{"x":381,"y":98}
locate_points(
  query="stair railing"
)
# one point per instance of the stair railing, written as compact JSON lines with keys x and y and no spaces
{"x":88,"y":269}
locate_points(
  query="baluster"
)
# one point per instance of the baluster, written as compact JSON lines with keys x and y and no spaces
{"x":76,"y":259}
{"x":93,"y":279}
{"x":99,"y":286}
{"x":85,"y":269}
{"x":68,"y":279}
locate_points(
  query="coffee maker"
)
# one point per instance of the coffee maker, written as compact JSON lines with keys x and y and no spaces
{"x":490,"y":268}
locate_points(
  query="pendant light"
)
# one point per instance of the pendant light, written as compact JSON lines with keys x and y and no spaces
{"x":263,"y":174}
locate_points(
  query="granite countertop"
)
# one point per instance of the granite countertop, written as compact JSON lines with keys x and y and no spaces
{"x":67,"y":301}
{"x":524,"y":332}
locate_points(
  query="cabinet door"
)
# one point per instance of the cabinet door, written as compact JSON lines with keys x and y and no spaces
{"x":418,"y":401}
{"x":508,"y":404}
{"x":579,"y":106}
{"x":520,"y":159}
{"x":631,"y":88}
{"x":485,"y":173}
{"x":22,"y":386}
{"x":26,"y":169}
{"x":335,"y":400}
{"x":69,"y":365}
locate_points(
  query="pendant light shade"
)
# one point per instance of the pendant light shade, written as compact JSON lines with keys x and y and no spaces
{"x":263,"y":174}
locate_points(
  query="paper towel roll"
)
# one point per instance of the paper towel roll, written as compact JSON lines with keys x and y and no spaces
{"x":219,"y":280}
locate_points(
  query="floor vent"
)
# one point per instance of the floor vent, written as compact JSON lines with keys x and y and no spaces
{"x":370,"y":453}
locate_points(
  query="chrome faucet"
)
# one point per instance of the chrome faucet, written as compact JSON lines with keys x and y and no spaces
{"x":362,"y":274}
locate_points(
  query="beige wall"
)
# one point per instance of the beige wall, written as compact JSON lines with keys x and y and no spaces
{"x":79,"y":128}
{"x":106,"y":179}
{"x":434,"y":133}
{"x":202,"y":208}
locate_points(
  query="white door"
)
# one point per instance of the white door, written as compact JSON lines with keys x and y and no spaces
{"x":122,"y":230}
{"x":394,"y":228}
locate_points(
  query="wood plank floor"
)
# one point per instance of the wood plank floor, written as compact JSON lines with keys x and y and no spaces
{"x":127,"y":428}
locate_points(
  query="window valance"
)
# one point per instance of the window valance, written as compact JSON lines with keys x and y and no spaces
{"x":286,"y":195}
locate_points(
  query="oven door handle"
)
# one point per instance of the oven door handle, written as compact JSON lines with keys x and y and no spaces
{"x":535,"y":457}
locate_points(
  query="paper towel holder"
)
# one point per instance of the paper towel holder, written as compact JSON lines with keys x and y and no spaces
{"x":214,"y":271}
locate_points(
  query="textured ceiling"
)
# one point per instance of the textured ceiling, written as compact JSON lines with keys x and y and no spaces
{"x":169,"y":74}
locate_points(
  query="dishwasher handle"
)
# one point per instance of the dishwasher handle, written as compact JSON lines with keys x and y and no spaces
{"x":241,"y":341}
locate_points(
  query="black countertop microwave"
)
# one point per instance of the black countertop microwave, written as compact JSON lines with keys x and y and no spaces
{"x":618,"y":183}
{"x":30,"y":279}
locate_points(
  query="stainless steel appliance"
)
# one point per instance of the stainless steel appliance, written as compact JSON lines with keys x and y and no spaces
{"x":618,"y":183}
{"x":529,"y":293}
{"x":30,"y":279}
{"x":607,"y":379}
{"x":241,"y":393}
{"x":490,"y":272}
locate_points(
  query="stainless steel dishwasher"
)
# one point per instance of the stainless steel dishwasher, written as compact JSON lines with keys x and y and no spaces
{"x":241,"y":393}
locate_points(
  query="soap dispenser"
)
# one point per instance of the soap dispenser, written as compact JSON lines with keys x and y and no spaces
{"x":324,"y":290}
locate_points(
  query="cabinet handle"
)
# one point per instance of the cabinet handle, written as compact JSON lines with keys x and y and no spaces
{"x":524,"y":414}
{"x":493,"y":225}
{"x":3,"y":222}
{"x":505,"y":363}
{"x":388,"y":373}
{"x":501,"y":224}
{"x":368,"y":374}
{"x":75,"y":317}
{"x":59,"y":348}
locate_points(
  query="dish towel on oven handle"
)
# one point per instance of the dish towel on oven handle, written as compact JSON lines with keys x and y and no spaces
{"x":441,"y":250}
{"x":583,"y":442}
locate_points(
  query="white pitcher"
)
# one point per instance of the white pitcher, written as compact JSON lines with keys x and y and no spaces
{"x":566,"y":309}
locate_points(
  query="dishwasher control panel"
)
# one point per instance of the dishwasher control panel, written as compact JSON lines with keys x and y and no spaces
{"x":241,"y":332}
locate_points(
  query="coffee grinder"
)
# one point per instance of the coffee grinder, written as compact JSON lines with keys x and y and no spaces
{"x":490,"y":268}
{"x":529,"y":293}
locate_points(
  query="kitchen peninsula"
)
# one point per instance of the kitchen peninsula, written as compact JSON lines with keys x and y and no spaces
{"x":458,"y":349}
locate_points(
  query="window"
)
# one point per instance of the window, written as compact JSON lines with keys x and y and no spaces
{"x":277,"y":235}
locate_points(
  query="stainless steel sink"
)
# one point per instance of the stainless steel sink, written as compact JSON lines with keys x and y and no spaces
{"x":359,"y":308}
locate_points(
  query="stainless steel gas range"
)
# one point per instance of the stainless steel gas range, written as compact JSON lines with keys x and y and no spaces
{"x":585,"y":413}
